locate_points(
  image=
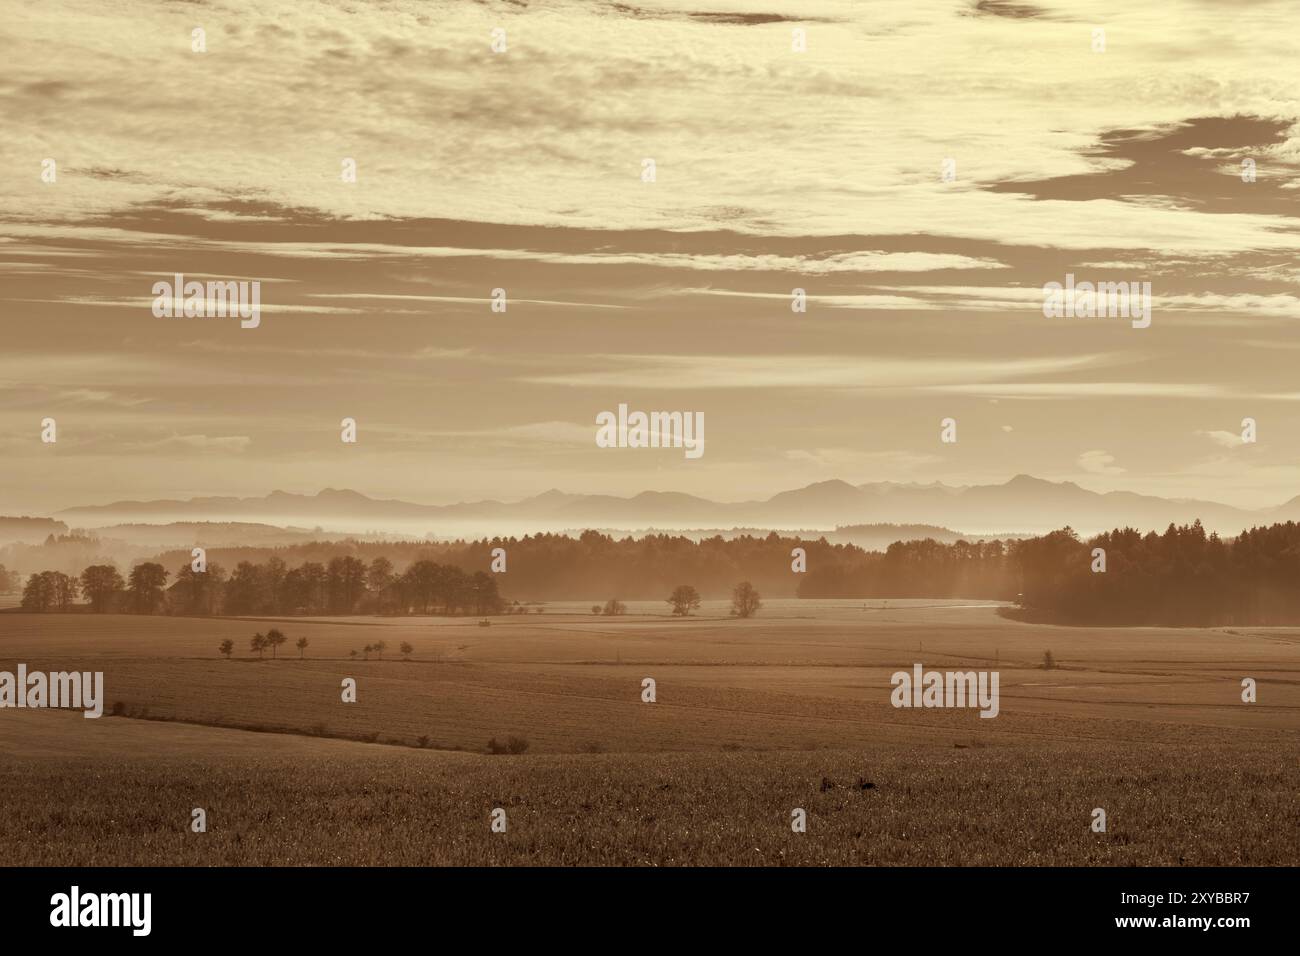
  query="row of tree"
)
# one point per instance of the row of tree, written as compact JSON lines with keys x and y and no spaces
{"x":344,"y":586}
{"x":921,"y":569}
{"x":101,"y":585}
{"x":558,"y":567}
{"x":273,"y":638}
{"x":328,"y":577}
{"x":745,"y":602}
{"x":1183,"y":576}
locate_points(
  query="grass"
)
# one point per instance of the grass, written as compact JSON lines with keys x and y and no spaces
{"x":753,"y":719}
{"x":894,"y":806}
{"x":820,"y":680}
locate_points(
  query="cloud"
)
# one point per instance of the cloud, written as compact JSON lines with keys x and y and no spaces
{"x":803,"y":371}
{"x":222,"y":443}
{"x":851,"y":460}
{"x":530,"y":434}
{"x":1098,"y":462}
{"x":552,"y":132}
{"x":1058,"y":390}
{"x":1226,"y":439}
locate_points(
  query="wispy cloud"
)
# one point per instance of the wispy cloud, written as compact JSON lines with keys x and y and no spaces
{"x":804,"y":371}
{"x":1098,"y":462}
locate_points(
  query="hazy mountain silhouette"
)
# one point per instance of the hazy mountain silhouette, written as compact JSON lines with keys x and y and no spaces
{"x":1023,"y":504}
{"x":32,"y":530}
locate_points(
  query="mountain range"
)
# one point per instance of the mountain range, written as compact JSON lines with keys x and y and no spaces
{"x":1024,"y":505}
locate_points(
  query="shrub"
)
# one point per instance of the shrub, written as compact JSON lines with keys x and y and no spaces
{"x":745,"y":600}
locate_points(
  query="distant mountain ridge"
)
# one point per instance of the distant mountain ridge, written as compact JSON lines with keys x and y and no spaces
{"x":1023,"y":504}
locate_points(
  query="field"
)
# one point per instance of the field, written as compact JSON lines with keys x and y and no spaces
{"x":752,"y":719}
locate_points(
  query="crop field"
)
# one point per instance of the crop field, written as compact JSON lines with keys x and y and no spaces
{"x":751,"y":720}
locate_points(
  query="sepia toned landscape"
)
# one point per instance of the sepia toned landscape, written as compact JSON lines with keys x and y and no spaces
{"x":587,"y":432}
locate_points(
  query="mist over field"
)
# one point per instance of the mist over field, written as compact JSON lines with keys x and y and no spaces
{"x":757,"y":433}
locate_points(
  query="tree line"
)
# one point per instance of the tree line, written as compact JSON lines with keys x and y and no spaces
{"x":558,"y":567}
{"x":1181,"y":577}
{"x":343,"y":586}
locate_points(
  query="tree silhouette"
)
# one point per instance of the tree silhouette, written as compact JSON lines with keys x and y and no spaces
{"x":258,"y":643}
{"x":379,"y":581}
{"x":684,"y":599}
{"x":301,"y":644}
{"x":246,"y":591}
{"x":274,"y":638}
{"x":49,"y":589}
{"x":345,"y":580}
{"x":379,"y":648}
{"x":38,"y":594}
{"x":313,"y":577}
{"x":101,"y":583}
{"x":406,"y":649}
{"x":146,"y":586}
{"x":198,"y":592}
{"x":215,"y":588}
{"x":745,"y":600}
{"x":227,"y":647}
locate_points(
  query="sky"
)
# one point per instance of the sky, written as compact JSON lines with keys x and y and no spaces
{"x":1112,"y":157}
